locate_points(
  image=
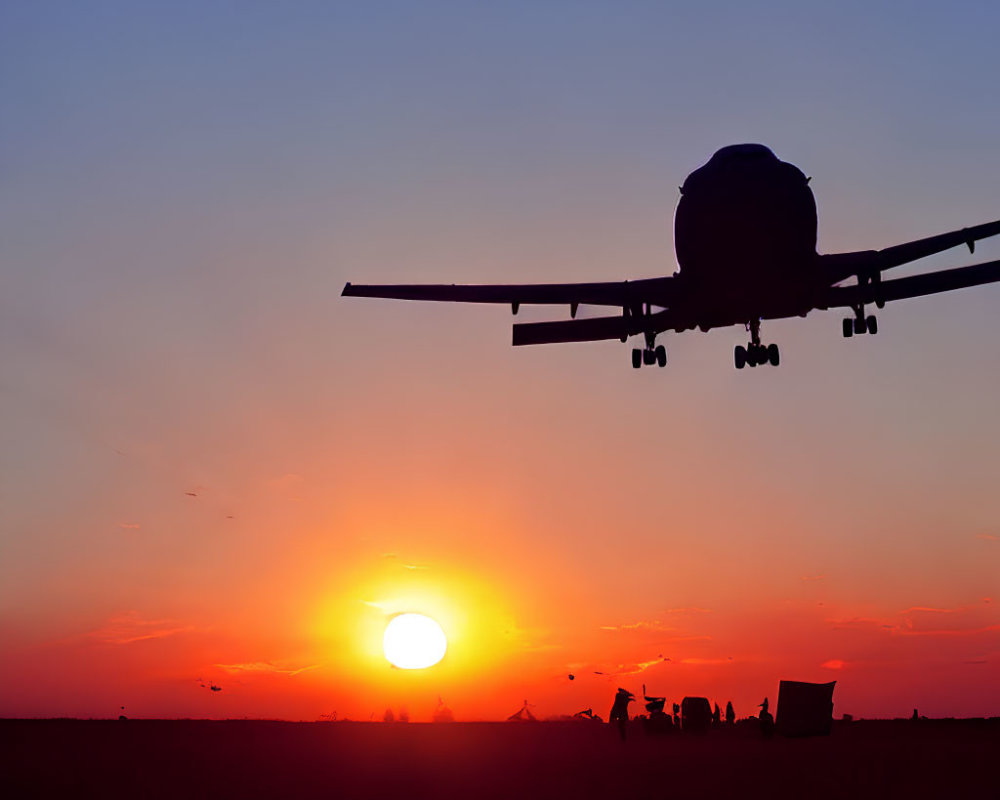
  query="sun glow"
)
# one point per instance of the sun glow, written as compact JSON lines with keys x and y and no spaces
{"x":413,"y":641}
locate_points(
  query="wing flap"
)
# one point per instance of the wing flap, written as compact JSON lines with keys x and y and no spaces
{"x":590,"y":330}
{"x":913,"y":286}
{"x":841,"y":266}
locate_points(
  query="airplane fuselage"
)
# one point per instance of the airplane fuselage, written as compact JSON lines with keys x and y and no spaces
{"x":745,"y":236}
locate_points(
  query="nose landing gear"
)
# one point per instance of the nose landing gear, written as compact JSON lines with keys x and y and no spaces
{"x":756,"y":354}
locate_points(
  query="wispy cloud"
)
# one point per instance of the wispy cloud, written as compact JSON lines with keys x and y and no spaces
{"x":809,"y":578}
{"x":264,"y":667}
{"x":967,"y":620}
{"x":129,"y":526}
{"x":988,"y":537}
{"x":834,"y":663}
{"x":653,"y":625}
{"x":130,"y":627}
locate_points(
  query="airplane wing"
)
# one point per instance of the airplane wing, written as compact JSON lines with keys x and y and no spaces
{"x":655,"y":291}
{"x":591,"y":330}
{"x":840,"y":266}
{"x":912,"y":286}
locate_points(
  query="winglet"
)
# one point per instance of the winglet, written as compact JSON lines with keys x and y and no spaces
{"x":346,"y":291}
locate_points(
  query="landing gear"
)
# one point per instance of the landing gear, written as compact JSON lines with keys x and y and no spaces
{"x":755,"y":353}
{"x":860,"y":323}
{"x":650,"y":354}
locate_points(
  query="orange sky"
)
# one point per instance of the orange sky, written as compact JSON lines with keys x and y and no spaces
{"x":186,"y":195}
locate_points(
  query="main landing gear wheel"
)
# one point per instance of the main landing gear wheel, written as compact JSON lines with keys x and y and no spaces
{"x":858,"y":325}
{"x":649,"y":356}
{"x":754,"y":355}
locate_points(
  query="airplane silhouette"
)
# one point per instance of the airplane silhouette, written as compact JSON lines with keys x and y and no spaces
{"x":745,"y":239}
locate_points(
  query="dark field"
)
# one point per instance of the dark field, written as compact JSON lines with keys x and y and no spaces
{"x":248,"y":759}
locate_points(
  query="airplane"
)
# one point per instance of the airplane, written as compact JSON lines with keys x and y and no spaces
{"x":745,"y":240}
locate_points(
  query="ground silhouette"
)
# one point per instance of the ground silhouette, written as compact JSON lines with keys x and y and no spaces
{"x":581,"y":759}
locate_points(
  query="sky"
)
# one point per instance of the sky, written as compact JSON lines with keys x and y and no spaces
{"x":215,"y":470}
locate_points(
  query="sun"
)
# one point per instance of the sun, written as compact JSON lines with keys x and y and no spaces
{"x":413,"y":641}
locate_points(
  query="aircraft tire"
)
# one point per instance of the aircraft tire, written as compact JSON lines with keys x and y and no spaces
{"x":636,"y":358}
{"x":773,"y":355}
{"x":872,"y":325}
{"x":848,"y":328}
{"x":859,"y":326}
{"x":661,"y":356}
{"x":740,"y":356}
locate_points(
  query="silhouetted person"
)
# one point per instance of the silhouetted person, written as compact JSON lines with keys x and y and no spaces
{"x":619,"y":710}
{"x":716,"y":717}
{"x":766,"y":721}
{"x":915,"y":716}
{"x":730,"y":714}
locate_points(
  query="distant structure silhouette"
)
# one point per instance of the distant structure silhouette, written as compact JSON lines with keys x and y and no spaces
{"x":653,"y":704}
{"x":523,"y":714}
{"x":716,"y":717}
{"x":658,"y":721}
{"x":696,"y":715}
{"x":804,"y":709}
{"x":388,"y":716}
{"x":588,"y":714}
{"x":730,"y":714}
{"x":619,"y":710}
{"x":442,"y":713}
